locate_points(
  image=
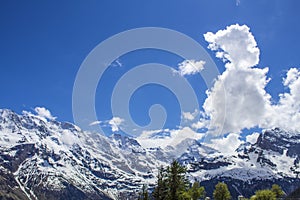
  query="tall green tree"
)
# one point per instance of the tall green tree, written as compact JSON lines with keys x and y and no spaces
{"x":196,"y":191}
{"x":221,"y":192}
{"x":176,"y":180}
{"x":161,"y":190}
{"x":276,"y":189}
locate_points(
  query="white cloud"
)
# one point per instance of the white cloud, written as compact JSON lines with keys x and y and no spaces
{"x":115,"y":123}
{"x":252,"y":138}
{"x":238,"y":98}
{"x":170,"y":137}
{"x":182,"y":134}
{"x":190,"y":67}
{"x":43,"y":112}
{"x":190,"y":116}
{"x":202,"y":123}
{"x":226,"y":144}
{"x":286,"y":114}
{"x":95,"y":123}
{"x":69,"y":138}
{"x":117,"y":63}
{"x":236,"y":45}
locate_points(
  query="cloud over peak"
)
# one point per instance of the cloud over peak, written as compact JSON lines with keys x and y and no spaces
{"x":43,"y":112}
{"x":238,"y":98}
{"x":115,"y":123}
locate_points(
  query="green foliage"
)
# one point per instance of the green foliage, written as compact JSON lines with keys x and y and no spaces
{"x":221,"y":192}
{"x":273,"y":194}
{"x":193,"y":193}
{"x":196,"y":191}
{"x":161,"y":190}
{"x":171,"y":183}
{"x":176,"y":180}
{"x":276,"y":189}
{"x":264,"y":195}
{"x":242,"y":198}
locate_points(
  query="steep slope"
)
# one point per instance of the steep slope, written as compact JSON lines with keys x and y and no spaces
{"x":274,"y":158}
{"x":53,"y":160}
{"x":47,"y":159}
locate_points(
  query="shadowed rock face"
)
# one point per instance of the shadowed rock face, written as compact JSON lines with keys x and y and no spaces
{"x":278,"y":140}
{"x":47,"y":159}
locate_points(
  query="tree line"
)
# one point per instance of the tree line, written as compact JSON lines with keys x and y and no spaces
{"x":172,"y":184}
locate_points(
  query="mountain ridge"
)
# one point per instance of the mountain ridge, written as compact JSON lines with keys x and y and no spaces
{"x":48,"y":159}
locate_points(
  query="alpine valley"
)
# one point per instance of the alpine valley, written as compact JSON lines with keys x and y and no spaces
{"x":48,"y":159}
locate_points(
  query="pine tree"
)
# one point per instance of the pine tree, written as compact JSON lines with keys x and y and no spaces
{"x":161,"y":190}
{"x":221,"y":192}
{"x":196,"y":191}
{"x":176,"y":180}
{"x":276,"y":189}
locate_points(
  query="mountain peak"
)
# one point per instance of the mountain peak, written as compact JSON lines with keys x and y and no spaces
{"x":49,"y":158}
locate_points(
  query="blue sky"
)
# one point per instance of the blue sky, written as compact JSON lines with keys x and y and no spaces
{"x":44,"y":43}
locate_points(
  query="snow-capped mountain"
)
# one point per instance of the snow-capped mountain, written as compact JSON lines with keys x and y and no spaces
{"x":274,"y":158}
{"x":47,"y":159}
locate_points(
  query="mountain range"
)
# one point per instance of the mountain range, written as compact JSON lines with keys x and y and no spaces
{"x":46,"y":159}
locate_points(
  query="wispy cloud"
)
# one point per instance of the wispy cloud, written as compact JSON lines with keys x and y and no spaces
{"x":95,"y":123}
{"x":114,"y":123}
{"x":117,"y":63}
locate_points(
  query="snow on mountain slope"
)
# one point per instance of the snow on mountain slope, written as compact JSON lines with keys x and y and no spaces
{"x":49,"y":154}
{"x":47,"y":159}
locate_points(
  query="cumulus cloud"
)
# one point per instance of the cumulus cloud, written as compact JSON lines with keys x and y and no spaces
{"x":69,"y":138}
{"x":190,"y":67}
{"x":286,"y":114}
{"x":238,"y":98}
{"x":226,"y":145}
{"x":43,"y":112}
{"x":252,"y":138}
{"x":235,"y":45}
{"x":190,"y":116}
{"x":202,"y":123}
{"x":115,"y":123}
